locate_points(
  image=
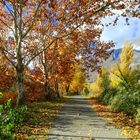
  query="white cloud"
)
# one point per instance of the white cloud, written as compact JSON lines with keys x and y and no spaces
{"x":121,"y":32}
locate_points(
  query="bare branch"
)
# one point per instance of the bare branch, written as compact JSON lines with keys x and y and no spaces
{"x":34,"y":17}
{"x":58,"y":37}
{"x":15,"y":23}
{"x":7,"y":25}
{"x":1,"y":48}
{"x":40,"y":51}
{"x":9,"y":10}
{"x":20,"y":15}
{"x":3,"y":51}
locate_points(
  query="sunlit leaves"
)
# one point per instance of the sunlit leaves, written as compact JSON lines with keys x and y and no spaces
{"x":126,"y":57}
{"x":31,"y":26}
{"x":78,"y":80}
{"x":122,"y":73}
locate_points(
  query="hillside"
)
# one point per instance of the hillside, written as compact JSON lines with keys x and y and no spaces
{"x":109,"y":63}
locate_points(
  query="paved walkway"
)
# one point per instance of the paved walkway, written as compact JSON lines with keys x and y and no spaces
{"x":78,"y":121}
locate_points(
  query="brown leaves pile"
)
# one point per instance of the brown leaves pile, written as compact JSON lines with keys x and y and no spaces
{"x":127,"y":124}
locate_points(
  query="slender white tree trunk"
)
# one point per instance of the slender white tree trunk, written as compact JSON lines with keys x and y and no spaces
{"x":45,"y":73}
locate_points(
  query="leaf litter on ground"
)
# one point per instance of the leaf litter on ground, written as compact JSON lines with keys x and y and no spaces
{"x":39,"y":119}
{"x":126,"y":123}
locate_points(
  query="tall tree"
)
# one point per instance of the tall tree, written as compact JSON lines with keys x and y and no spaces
{"x":19,"y":17}
{"x":126,"y":57}
{"x":78,"y":80}
{"x":122,"y":73}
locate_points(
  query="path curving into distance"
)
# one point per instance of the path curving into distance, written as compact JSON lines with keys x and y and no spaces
{"x":78,"y":121}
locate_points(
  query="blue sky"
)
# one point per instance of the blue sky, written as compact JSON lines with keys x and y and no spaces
{"x":122,"y":32}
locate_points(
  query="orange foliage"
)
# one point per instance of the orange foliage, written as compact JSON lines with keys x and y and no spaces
{"x":7,"y":96}
{"x":63,"y":19}
{"x":33,"y":87}
{"x":34,"y":90}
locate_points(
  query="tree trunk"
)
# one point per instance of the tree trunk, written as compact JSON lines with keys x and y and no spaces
{"x":20,"y":79}
{"x":47,"y":90}
{"x":57,"y":93}
{"x":45,"y":73}
{"x":67,"y":88}
{"x":56,"y":88}
{"x":46,"y":85}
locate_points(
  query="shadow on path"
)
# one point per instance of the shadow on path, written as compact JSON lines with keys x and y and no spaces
{"x":77,"y":120}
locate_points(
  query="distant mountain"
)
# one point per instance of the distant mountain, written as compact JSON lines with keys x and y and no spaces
{"x":116,"y":54}
{"x":115,"y":57}
{"x":136,"y":58}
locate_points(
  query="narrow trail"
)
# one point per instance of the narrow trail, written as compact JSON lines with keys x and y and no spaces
{"x":78,"y":121}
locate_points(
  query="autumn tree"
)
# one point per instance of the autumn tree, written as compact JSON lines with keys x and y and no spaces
{"x":78,"y":80}
{"x":122,"y":73}
{"x":126,"y":57}
{"x":66,"y":59}
{"x":19,"y":43}
{"x":17,"y":19}
{"x":81,"y":40}
{"x":102,"y":82}
{"x":60,"y":58}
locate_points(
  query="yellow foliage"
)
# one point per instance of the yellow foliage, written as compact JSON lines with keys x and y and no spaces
{"x":79,"y":79}
{"x":126,"y":57}
{"x":122,"y":73}
{"x":98,"y":86}
{"x":115,"y":76}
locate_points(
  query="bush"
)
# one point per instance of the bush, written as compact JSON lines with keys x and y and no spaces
{"x":9,"y":118}
{"x":108,"y":96}
{"x":12,"y":89}
{"x":73,"y":93}
{"x":137,"y":116}
{"x":126,"y":101}
{"x":86,"y":91}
